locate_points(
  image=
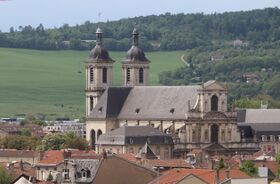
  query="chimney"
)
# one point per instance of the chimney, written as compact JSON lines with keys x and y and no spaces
{"x":104,"y":154}
{"x":21,"y":165}
{"x":41,"y":155}
{"x":217,"y":178}
{"x":227,"y":174}
{"x":66,"y":154}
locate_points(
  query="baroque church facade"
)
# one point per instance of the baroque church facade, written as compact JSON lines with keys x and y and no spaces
{"x":196,"y":116}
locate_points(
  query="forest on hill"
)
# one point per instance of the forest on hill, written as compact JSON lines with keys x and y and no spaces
{"x":251,"y":74}
{"x":162,"y":32}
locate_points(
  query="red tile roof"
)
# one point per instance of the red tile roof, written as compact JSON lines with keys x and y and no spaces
{"x":233,"y":173}
{"x":175,"y":175}
{"x":57,"y":156}
{"x":52,"y":157}
{"x":17,"y":171}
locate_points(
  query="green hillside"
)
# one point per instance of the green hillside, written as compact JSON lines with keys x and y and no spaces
{"x":49,"y":82}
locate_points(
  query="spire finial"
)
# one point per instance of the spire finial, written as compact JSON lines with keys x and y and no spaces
{"x":135,"y":35}
{"x":98,"y":36}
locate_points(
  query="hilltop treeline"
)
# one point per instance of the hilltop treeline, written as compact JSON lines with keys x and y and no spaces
{"x":248,"y":73}
{"x":163,"y":32}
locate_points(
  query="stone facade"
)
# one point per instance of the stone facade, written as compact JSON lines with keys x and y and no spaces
{"x":199,"y":119}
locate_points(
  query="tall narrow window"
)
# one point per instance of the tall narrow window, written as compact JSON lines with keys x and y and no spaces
{"x":206,"y":136}
{"x":66,"y":174}
{"x":91,"y":74}
{"x":229,"y":135}
{"x":128,"y":75}
{"x":214,"y":103}
{"x":104,"y":75}
{"x":223,"y":134}
{"x":141,"y":75}
{"x":91,"y":103}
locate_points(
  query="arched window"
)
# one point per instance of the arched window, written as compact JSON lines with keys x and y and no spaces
{"x":214,"y":103}
{"x":104,"y":75}
{"x":91,"y":103}
{"x":84,"y":173}
{"x":128,"y":75}
{"x":99,"y":132}
{"x":91,"y":75}
{"x":141,"y":75}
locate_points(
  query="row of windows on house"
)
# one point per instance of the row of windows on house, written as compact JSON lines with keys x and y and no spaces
{"x":84,"y":174}
{"x":270,"y":138}
{"x":128,"y":75}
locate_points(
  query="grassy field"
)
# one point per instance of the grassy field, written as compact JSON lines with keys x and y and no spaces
{"x":49,"y":82}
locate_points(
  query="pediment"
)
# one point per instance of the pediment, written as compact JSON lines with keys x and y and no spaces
{"x":213,"y":85}
{"x":215,"y":147}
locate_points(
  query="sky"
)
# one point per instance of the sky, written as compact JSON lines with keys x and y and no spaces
{"x":55,"y":13}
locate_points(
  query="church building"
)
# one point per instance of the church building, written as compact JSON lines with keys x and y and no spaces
{"x":196,"y":116}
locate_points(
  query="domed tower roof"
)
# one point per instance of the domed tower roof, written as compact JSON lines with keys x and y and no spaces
{"x":135,"y":53}
{"x":99,"y":53}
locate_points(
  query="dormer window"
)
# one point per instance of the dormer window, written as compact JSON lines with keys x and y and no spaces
{"x":137,"y":111}
{"x":172,"y":110}
{"x":148,"y":140}
{"x":264,"y":138}
{"x":100,"y":110}
{"x":131,"y":141}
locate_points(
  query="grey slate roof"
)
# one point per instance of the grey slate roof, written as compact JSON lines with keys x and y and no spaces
{"x":259,"y":116}
{"x":259,"y":129}
{"x":158,"y":102}
{"x":110,"y":103}
{"x":146,"y":102}
{"x":135,"y":135}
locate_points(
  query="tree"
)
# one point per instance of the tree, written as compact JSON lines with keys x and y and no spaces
{"x":249,"y":167}
{"x":247,"y":103}
{"x":5,"y":176}
{"x":25,"y":132}
{"x":20,"y":142}
{"x":50,"y":177}
{"x":53,"y":141}
{"x":221,"y":164}
{"x":57,"y":141}
{"x":278,"y":163}
{"x":75,"y":142}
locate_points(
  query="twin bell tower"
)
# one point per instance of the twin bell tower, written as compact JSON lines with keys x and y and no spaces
{"x":99,"y":69}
